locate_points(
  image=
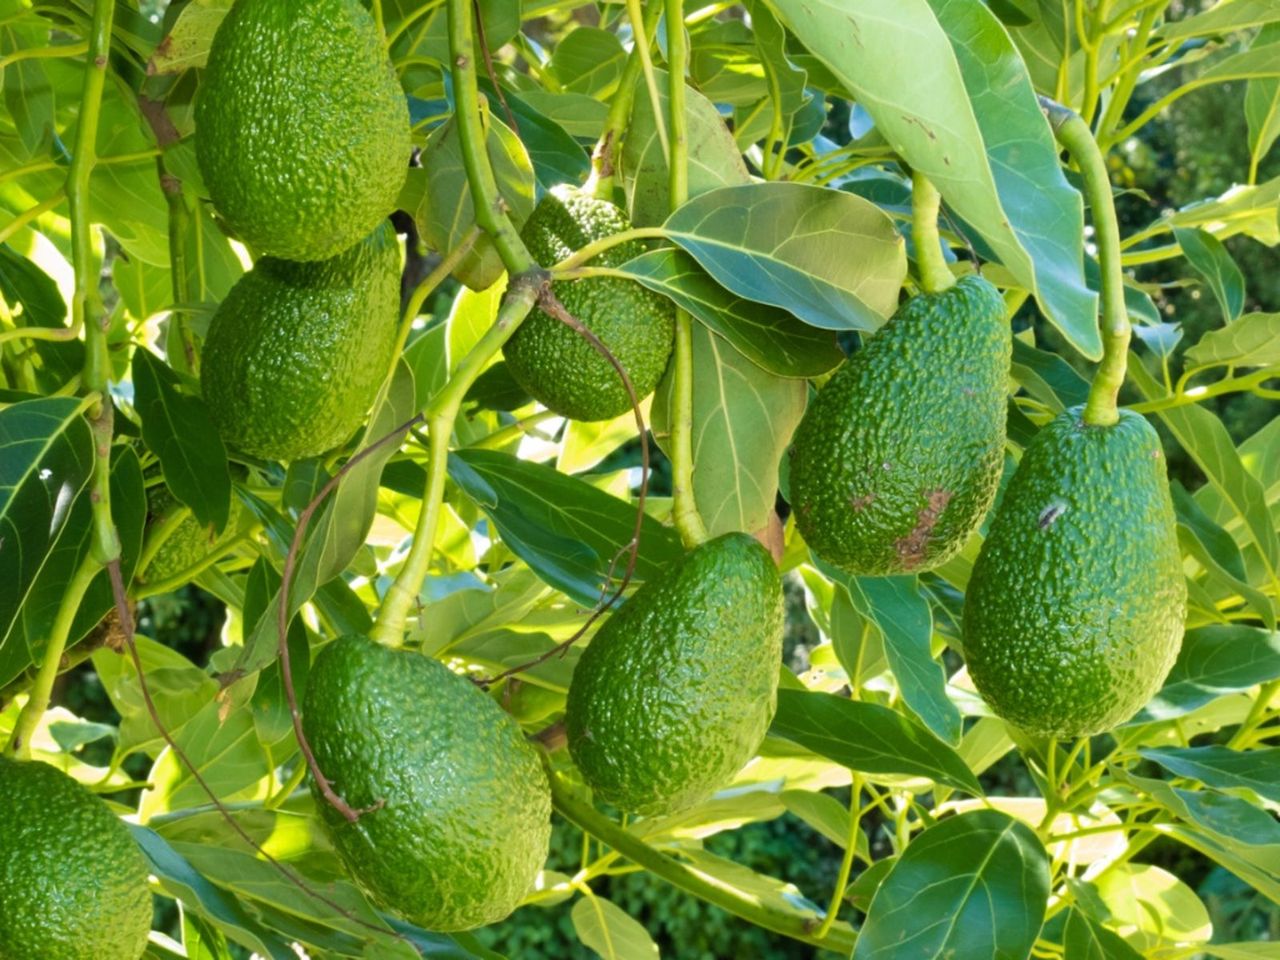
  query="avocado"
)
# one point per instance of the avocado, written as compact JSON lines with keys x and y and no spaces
{"x":302,"y":128}
{"x":899,"y":456}
{"x":73,"y":884}
{"x":297,"y":351}
{"x":676,"y":691}
{"x":557,"y":367}
{"x":186,"y":544}
{"x":463,"y":809}
{"x":1076,"y":605}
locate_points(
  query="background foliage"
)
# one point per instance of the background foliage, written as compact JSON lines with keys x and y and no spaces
{"x":1158,"y":840}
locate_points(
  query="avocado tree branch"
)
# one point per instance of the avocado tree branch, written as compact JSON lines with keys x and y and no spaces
{"x":487,"y":199}
{"x":51,"y":663}
{"x":839,"y":939}
{"x":687,"y":520}
{"x":180,"y":344}
{"x":441,"y":413}
{"x":597,"y":247}
{"x":105,"y":545}
{"x":926,"y":202}
{"x":1074,"y":134}
{"x":604,"y":157}
{"x":636,"y":16}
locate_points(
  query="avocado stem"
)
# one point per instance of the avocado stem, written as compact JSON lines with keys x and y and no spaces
{"x":935,"y":275}
{"x":490,"y":209}
{"x":1074,"y":134}
{"x":688,"y":521}
{"x":441,"y":413}
{"x":839,"y":939}
{"x":604,"y":160}
{"x":41,"y":691}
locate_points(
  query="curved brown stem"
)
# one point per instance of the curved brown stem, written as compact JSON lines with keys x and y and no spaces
{"x":125,"y":616}
{"x":551,"y":305}
{"x":282,"y":622}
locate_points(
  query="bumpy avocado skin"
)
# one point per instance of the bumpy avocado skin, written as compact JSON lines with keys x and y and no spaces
{"x":676,"y":691}
{"x":899,"y":456}
{"x":296,"y":352}
{"x":1075,"y":609}
{"x":555,"y":365}
{"x":465,"y":821}
{"x":303,"y":130}
{"x":188,"y":543}
{"x":73,"y":884}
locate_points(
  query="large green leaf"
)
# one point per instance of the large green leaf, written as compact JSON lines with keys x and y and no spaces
{"x":1231,"y":818}
{"x":610,"y":932}
{"x":444,"y":210}
{"x":1256,"y":770}
{"x":1251,"y":341}
{"x":1221,"y":18}
{"x":1206,"y":440}
{"x":769,"y":337}
{"x":566,"y":530}
{"x":1210,"y":258}
{"x":973,"y":887}
{"x":868,"y":738}
{"x":966,"y":116}
{"x":743,"y":420}
{"x":46,"y":457}
{"x":1214,"y":661}
{"x":178,"y":429}
{"x":714,"y":160}
{"x":1083,"y":939}
{"x":30,"y":631}
{"x":177,"y":876}
{"x":902,"y":615}
{"x":772,"y":243}
{"x":1155,"y":905}
{"x":1262,"y":98}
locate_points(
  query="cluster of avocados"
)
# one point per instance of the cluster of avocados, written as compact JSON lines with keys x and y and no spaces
{"x":1075,"y":607}
{"x":304,"y":145}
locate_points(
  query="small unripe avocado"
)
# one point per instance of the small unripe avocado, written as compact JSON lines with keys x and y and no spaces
{"x":559,"y":368}
{"x":297,"y":351}
{"x":1076,"y":605}
{"x":186,"y":544}
{"x":676,"y":691}
{"x":73,"y":884}
{"x":302,"y":128}
{"x":899,"y":456}
{"x":463,"y":809}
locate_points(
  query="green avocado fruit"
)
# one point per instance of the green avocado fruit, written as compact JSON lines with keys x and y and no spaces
{"x":302,"y":128}
{"x":676,"y":691}
{"x":73,"y":884}
{"x":297,"y":351}
{"x":462,"y":823}
{"x":559,"y":368}
{"x":1075,"y":608}
{"x":899,"y":457}
{"x":187,"y":543}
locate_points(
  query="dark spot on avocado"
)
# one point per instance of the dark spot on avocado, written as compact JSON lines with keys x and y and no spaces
{"x":861,"y":503}
{"x":911,"y":548}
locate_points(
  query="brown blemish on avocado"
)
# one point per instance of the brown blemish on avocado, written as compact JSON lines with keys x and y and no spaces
{"x":911,"y":548}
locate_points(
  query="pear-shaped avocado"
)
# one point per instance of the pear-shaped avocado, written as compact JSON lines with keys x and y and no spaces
{"x":676,"y":691}
{"x":296,"y":352}
{"x":1076,"y":605}
{"x":463,"y":809}
{"x":302,"y":128}
{"x":554,"y":364}
{"x":73,"y":884}
{"x":899,"y":456}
